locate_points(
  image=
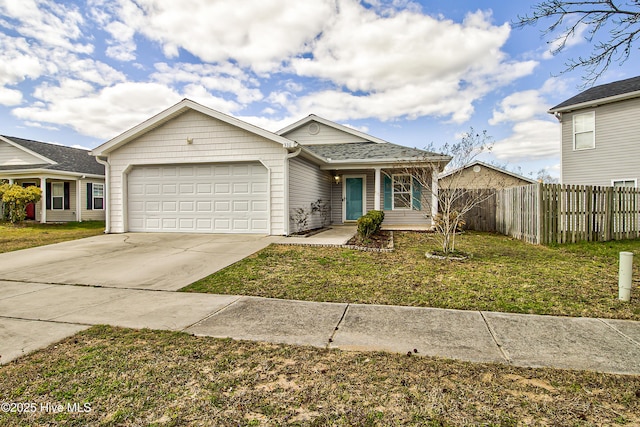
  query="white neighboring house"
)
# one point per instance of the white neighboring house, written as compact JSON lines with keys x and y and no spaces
{"x":194,"y":169}
{"x":601,"y":135}
{"x":72,"y":182}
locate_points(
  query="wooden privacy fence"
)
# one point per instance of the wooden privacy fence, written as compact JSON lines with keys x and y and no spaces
{"x":553,"y":213}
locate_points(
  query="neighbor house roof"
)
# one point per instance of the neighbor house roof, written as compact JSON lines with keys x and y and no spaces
{"x":372,"y":152}
{"x":488,"y":166}
{"x":54,"y":157}
{"x":602,"y":94}
{"x":176,"y":110}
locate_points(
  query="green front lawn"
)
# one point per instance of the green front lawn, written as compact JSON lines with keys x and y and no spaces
{"x":503,"y":274}
{"x":141,"y":377}
{"x":27,"y":235}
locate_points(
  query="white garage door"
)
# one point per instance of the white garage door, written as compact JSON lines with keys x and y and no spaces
{"x":208,"y":198}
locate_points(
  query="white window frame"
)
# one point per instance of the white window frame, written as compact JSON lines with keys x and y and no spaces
{"x":393,"y":192}
{"x":53,"y":185}
{"x":592,"y":114}
{"x":94,"y":197}
{"x":634,"y":180}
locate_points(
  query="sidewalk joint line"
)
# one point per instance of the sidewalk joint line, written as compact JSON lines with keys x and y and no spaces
{"x":495,"y":339}
{"x":619,"y":331}
{"x":210,"y":315}
{"x":48,"y":321}
{"x":333,"y":333}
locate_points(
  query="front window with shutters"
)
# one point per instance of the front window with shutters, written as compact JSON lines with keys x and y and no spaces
{"x":57,"y":196}
{"x":402,"y":191}
{"x":584,"y":131}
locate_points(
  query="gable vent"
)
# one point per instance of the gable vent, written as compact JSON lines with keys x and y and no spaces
{"x":313,"y":129}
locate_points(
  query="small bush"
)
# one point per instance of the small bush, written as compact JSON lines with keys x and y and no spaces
{"x":370,"y":223}
{"x":16,"y":198}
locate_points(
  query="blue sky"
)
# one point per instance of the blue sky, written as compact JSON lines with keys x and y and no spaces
{"x":410,"y":72}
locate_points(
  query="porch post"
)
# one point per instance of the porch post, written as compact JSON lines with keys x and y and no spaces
{"x":43,"y":200}
{"x":10,"y":181}
{"x":78,"y":201}
{"x":376,"y":196}
{"x":434,"y":192}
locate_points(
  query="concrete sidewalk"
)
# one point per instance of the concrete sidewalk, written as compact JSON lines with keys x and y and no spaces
{"x":34,"y":315}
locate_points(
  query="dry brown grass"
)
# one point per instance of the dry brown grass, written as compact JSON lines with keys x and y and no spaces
{"x":133,"y":377}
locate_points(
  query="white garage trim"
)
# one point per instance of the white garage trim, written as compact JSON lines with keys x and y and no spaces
{"x":229,"y":197}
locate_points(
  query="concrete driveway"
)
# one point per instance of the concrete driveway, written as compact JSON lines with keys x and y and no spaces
{"x":158,"y":261}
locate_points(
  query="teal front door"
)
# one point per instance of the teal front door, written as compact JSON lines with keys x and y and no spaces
{"x":353,"y":198}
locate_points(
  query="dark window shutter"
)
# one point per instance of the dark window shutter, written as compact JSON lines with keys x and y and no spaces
{"x":67,"y":198}
{"x":416,"y":195}
{"x":48,"y":189}
{"x":89,"y":196}
{"x":387,"y":193}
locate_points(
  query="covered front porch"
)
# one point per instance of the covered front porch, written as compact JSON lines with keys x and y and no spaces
{"x":408,"y":199}
{"x":64,"y":198}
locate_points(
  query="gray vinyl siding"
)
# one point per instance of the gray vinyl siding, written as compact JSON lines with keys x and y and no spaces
{"x":307,"y":184}
{"x":617,"y":146}
{"x":326,"y":135}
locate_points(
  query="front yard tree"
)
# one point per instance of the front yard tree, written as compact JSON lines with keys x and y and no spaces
{"x":452,"y":193}
{"x":15,"y":199}
{"x":612,"y":26}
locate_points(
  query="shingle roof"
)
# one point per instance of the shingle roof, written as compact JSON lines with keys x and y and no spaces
{"x":67,"y":159}
{"x":370,"y":151}
{"x":602,"y":91}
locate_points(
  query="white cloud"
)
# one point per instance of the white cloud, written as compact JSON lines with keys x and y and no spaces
{"x":519,"y":106}
{"x":225,"y":78}
{"x":527,"y":104}
{"x":255,"y":33}
{"x":52,"y":24}
{"x":10,"y":97}
{"x":270,"y":124}
{"x":530,"y":140}
{"x":106,"y":113}
{"x":41,"y":126}
{"x":16,"y":61}
{"x":406,"y":64}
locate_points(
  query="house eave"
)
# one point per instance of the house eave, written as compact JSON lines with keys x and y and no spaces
{"x":29,"y":173}
{"x":595,"y":102}
{"x":441,"y":161}
{"x":176,"y":110}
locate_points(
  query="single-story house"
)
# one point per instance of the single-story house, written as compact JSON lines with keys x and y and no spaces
{"x":193,"y":169}
{"x":71,"y":180}
{"x":479,"y":175}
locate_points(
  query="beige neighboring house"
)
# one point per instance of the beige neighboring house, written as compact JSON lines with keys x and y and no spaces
{"x":480,"y":175}
{"x":601,"y":135}
{"x":196,"y":170}
{"x":72,"y":181}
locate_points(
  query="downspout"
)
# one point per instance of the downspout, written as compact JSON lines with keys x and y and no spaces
{"x":287,"y":157}
{"x":107,"y":192}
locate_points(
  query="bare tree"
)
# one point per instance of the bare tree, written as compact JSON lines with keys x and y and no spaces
{"x":545,"y":177}
{"x":454,"y":197}
{"x":612,"y":26}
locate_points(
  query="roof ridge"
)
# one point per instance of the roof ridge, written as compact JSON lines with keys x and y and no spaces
{"x":13,"y":138}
